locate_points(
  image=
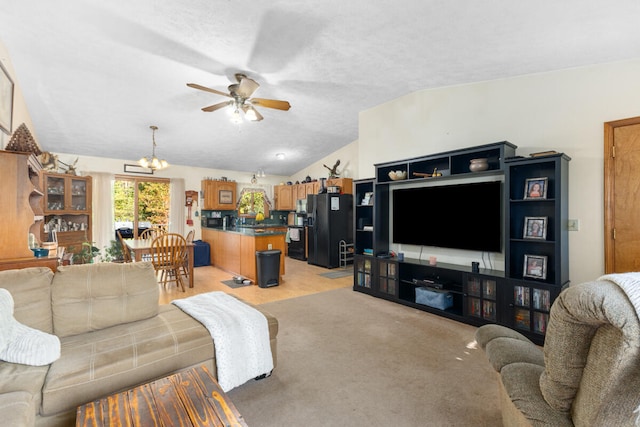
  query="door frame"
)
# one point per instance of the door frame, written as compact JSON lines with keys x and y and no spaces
{"x":609,"y":186}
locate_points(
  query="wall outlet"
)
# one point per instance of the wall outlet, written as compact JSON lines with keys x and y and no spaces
{"x":573,"y":224}
{"x":269,"y":246}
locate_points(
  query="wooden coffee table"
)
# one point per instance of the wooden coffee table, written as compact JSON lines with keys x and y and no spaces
{"x":189,"y":397}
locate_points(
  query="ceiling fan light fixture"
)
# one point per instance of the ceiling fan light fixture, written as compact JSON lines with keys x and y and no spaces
{"x":236,"y":118}
{"x":153,"y":162}
{"x":251,"y":114}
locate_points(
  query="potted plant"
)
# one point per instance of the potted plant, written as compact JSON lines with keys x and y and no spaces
{"x":113,"y":252}
{"x":87,"y":254}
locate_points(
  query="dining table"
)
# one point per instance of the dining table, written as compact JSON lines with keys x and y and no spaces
{"x":141,"y":247}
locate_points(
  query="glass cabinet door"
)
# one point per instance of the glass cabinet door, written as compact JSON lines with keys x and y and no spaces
{"x":388,"y":277}
{"x":78,"y":195}
{"x":531,"y":305}
{"x":55,"y":193}
{"x":363,"y":269}
{"x":481,"y":297}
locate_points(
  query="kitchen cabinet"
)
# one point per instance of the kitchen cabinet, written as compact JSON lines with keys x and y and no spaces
{"x":67,"y":209}
{"x":345,"y":184}
{"x":235,"y":251}
{"x":284,"y":197}
{"x":219,"y":195}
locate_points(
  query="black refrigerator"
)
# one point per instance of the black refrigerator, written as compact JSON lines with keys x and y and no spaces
{"x":329,"y":220}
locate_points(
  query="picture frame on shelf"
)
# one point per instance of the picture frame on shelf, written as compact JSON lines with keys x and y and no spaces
{"x":6,"y":100}
{"x":535,"y":227}
{"x":535,"y":266}
{"x":536,"y":188}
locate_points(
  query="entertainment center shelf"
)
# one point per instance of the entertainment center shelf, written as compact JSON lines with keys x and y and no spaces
{"x":536,"y":265}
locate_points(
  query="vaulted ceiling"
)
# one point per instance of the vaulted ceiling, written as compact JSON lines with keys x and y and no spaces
{"x":97,"y":74}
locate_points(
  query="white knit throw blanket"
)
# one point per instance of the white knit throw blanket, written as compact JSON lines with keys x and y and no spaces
{"x":240,"y":335}
{"x":630,"y":284}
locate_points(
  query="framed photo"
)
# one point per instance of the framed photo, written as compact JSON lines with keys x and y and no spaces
{"x":535,"y":266}
{"x":535,"y":188}
{"x":225,"y":196}
{"x":535,"y":227}
{"x":6,"y":100}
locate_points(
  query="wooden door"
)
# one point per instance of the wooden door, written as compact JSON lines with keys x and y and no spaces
{"x":622,"y":195}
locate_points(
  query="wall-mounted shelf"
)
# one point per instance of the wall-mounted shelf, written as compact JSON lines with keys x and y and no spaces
{"x":450,"y":164}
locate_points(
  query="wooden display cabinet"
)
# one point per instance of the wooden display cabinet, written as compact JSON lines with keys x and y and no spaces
{"x":67,"y":209}
{"x":22,"y":200}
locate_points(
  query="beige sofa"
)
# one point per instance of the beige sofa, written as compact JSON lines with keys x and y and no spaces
{"x":113,"y":335}
{"x":587,"y":373}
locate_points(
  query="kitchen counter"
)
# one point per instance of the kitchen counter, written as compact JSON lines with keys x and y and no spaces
{"x":233,"y":249}
{"x":254,"y":230}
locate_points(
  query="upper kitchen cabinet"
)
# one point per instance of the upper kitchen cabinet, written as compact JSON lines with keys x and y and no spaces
{"x":284,"y":197}
{"x":345,"y":184}
{"x":219,"y":195}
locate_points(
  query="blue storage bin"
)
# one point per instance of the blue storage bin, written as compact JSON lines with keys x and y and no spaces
{"x":201,"y":253}
{"x":434,"y":298}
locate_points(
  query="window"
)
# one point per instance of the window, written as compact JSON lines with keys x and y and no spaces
{"x":253,"y":201}
{"x":140,"y":203}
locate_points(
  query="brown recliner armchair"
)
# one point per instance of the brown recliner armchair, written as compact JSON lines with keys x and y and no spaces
{"x":587,"y":373}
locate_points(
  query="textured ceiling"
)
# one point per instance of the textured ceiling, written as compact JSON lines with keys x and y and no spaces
{"x":97,"y":74}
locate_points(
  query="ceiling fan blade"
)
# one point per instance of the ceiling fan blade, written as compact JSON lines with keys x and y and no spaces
{"x":271,"y":103}
{"x":217,"y":106}
{"x":251,"y":113}
{"x":208,"y":89}
{"x":247,"y":87}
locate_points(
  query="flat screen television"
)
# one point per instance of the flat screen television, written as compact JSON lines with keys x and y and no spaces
{"x":462,"y":216}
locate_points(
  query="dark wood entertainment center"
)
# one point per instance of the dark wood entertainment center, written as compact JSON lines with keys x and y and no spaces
{"x":520,"y":296}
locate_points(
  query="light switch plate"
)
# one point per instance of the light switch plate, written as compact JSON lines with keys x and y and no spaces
{"x":573,"y":224}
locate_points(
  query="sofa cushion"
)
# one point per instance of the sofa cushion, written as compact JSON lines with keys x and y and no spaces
{"x":521,"y":384}
{"x":97,"y":364}
{"x":31,"y":292}
{"x":17,"y":409}
{"x":23,"y":378}
{"x":91,"y":297}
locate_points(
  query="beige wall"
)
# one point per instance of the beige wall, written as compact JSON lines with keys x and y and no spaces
{"x":562,"y":111}
{"x":20,"y":111}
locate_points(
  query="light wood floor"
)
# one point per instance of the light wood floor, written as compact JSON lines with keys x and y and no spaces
{"x":300,"y":279}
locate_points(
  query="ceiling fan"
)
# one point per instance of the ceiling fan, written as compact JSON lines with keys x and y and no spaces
{"x":240,"y":94}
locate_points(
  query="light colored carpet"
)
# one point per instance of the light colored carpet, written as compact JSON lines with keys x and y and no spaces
{"x":348,"y":359}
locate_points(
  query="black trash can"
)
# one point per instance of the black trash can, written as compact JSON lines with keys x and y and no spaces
{"x":268,"y":265}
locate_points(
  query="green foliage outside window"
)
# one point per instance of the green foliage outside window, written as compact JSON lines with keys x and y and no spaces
{"x":252,"y":203}
{"x":153,"y":201}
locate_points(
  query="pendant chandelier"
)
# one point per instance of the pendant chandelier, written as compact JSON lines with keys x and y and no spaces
{"x":153,"y":162}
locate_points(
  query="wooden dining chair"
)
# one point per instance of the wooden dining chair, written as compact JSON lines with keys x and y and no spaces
{"x":168,"y":253}
{"x":151,"y":233}
{"x":185,"y":266}
{"x":126,"y":253}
